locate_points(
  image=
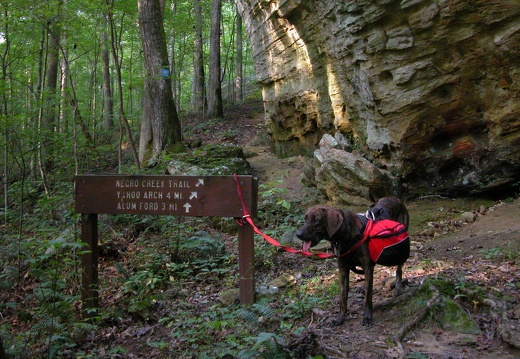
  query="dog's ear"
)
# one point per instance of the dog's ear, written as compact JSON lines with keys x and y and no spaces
{"x":383,"y":213}
{"x":334,"y":221}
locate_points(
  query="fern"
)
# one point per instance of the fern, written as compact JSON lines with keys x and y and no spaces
{"x":247,"y":315}
{"x":265,"y":310}
{"x":256,"y":313}
{"x":267,"y":345}
{"x":47,"y":324}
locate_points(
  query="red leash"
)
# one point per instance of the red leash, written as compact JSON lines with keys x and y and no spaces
{"x":274,"y":242}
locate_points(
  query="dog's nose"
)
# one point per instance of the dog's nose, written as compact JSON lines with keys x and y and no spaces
{"x":299,"y":234}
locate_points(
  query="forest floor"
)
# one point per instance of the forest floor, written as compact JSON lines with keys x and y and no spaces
{"x":479,"y":259}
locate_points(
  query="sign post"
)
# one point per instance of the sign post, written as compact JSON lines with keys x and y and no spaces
{"x":212,"y":196}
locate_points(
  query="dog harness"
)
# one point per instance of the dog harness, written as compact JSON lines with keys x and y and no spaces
{"x":388,"y":242}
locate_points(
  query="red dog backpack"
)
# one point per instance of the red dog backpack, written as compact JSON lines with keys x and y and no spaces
{"x":388,"y":243}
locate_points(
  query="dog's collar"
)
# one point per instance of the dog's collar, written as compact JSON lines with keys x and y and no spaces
{"x":365,"y":230}
{"x":364,"y":218}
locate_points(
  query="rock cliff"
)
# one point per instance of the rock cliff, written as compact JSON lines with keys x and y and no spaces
{"x":425,"y":91}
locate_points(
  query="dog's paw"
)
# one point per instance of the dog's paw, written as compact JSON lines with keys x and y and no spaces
{"x":399,"y":287}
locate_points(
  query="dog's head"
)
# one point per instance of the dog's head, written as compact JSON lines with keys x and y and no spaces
{"x":321,"y":222}
{"x":391,"y":208}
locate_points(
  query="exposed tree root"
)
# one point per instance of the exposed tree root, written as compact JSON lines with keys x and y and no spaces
{"x":413,"y":322}
{"x":396,"y":300}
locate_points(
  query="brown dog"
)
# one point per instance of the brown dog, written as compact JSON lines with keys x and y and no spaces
{"x":345,"y":229}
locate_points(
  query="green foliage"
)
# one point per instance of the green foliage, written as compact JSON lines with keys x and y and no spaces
{"x":218,"y":331}
{"x":273,"y":195}
{"x":50,"y":306}
{"x":500,"y":253}
{"x":256,"y":314}
{"x":460,"y":288}
{"x":416,"y":355}
{"x":266,"y":345}
{"x":174,"y":254}
{"x":274,"y":209}
{"x":203,"y":245}
{"x":139,"y":290}
{"x":277,"y":215}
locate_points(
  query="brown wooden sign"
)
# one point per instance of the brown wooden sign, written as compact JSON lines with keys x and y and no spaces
{"x":212,"y":196}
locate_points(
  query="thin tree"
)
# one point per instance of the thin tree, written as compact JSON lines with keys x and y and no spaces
{"x":123,"y":121}
{"x":239,"y":79}
{"x":198,"y":98}
{"x":108,"y":100}
{"x":215,"y":107}
{"x":50,"y":95}
{"x":160,"y":126}
{"x":4,"y":108}
{"x":62,"y":125}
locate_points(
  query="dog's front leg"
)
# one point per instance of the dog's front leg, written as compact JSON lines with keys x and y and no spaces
{"x":344,"y":274}
{"x":368,"y":318}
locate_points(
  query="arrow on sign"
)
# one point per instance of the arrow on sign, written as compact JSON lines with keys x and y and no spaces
{"x":187,"y":206}
{"x":193,"y":195}
{"x":200,"y":182}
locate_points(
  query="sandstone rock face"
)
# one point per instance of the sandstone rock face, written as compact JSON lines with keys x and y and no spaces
{"x":426,"y":90}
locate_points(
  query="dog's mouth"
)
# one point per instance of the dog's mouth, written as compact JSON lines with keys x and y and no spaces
{"x":309,"y":238}
{"x":308,"y":244}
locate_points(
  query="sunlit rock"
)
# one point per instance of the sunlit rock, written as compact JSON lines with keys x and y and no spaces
{"x":427,"y":90}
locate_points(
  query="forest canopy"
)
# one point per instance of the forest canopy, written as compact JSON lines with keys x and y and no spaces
{"x":73,"y":74}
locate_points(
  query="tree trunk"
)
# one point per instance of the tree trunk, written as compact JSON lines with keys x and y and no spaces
{"x":50,"y":94}
{"x":123,"y":121}
{"x":108,"y":100}
{"x":239,"y":80}
{"x":198,"y":98}
{"x":172,"y":42}
{"x":215,"y":109}
{"x":160,"y":125}
{"x":62,"y":125}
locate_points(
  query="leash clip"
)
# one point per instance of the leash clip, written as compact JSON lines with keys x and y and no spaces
{"x":243,"y":220}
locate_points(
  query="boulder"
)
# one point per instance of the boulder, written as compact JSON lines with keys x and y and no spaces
{"x":348,"y":177}
{"x":455,"y":318}
{"x":283,"y":281}
{"x":230,"y":297}
{"x":468,"y":217}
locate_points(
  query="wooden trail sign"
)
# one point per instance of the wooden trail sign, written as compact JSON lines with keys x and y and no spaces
{"x":212,"y":196}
